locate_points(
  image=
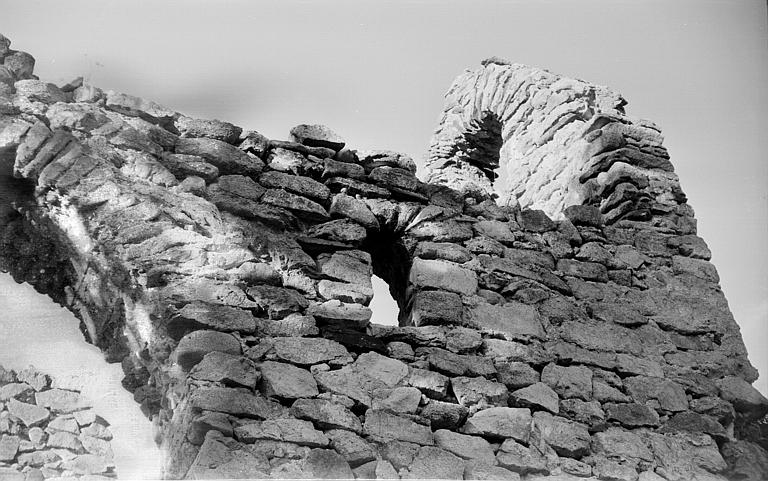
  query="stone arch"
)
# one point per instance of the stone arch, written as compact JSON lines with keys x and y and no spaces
{"x":563,"y":142}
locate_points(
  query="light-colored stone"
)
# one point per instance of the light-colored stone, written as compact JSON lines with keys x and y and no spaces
{"x":501,"y":422}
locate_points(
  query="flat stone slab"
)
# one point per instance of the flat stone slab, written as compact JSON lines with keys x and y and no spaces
{"x":326,"y":414}
{"x":501,"y":422}
{"x":287,"y":381}
{"x":385,"y":426}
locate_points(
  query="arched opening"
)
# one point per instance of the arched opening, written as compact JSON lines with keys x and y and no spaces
{"x":391,"y":266}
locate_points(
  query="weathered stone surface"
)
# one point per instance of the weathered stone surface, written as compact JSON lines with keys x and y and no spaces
{"x":586,"y":270}
{"x":476,"y":470}
{"x":587,"y":412}
{"x":685,"y":456}
{"x":344,"y":205}
{"x":458,"y":364}
{"x":209,"y":422}
{"x":286,"y":381}
{"x":566,"y":437}
{"x":236,"y":402}
{"x":34,"y":378}
{"x":297,"y":184}
{"x":212,"y":129}
{"x":443,"y":250}
{"x":695,"y":423}
{"x":12,"y":390}
{"x":354,"y":449}
{"x":437,"y":308}
{"x":514,"y":319}
{"x":631,"y":414}
{"x":501,"y":422}
{"x":317,"y":136}
{"x":221,"y":457}
{"x":516,"y":375}
{"x":287,"y":430}
{"x":466,"y":447}
{"x":384,"y":426}
{"x":669,"y":394}
{"x":344,"y":292}
{"x":745,"y":398}
{"x":480,"y":392}
{"x":306,"y":351}
{"x":227,"y":158}
{"x":460,"y":339}
{"x":568,"y":381}
{"x":437,"y":274}
{"x":300,"y":206}
{"x":9,"y":446}
{"x":398,"y":400}
{"x":215,"y":316}
{"x":432,"y":462}
{"x":621,"y":444}
{"x":326,"y":414}
{"x":195,"y":345}
{"x":521,"y":459}
{"x":277,"y":302}
{"x":537,"y":395}
{"x":444,"y":415}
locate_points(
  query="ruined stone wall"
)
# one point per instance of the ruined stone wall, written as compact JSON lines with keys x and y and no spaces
{"x":583,"y":335}
{"x":47,"y":432}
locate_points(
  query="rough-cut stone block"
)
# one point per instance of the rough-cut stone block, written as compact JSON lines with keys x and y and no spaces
{"x":521,"y":459}
{"x":286,"y":381}
{"x":384,"y":426}
{"x":326,"y":414}
{"x":464,"y":446}
{"x":432,"y":462}
{"x":537,"y":395}
{"x":631,"y":415}
{"x":501,"y":422}
{"x":670,"y":395}
{"x":566,"y":437}
{"x":568,"y":381}
{"x":195,"y":345}
{"x":317,"y":136}
{"x":745,"y":398}
{"x":398,"y":400}
{"x":61,"y":400}
{"x":346,"y":206}
{"x":437,"y":274}
{"x":586,"y":270}
{"x":437,"y":308}
{"x":285,"y":430}
{"x":354,"y":449}
{"x":514,"y":319}
{"x":306,"y":350}
{"x":236,"y":402}
{"x":444,"y":415}
{"x":480,"y":392}
{"x":212,"y":129}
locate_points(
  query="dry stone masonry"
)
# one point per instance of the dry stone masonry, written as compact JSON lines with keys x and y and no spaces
{"x":50,"y":433}
{"x":558,"y":316}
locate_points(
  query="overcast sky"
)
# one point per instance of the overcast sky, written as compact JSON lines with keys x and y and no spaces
{"x":376,"y":73}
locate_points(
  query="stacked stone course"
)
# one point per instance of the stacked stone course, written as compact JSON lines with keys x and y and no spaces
{"x":50,"y":433}
{"x":580,"y":336}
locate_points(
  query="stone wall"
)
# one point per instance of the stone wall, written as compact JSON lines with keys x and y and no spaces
{"x":50,"y":433}
{"x":582,"y":336}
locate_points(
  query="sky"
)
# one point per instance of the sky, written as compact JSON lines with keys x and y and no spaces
{"x":376,"y":73}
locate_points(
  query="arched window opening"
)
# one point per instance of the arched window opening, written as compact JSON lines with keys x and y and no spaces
{"x":391,"y":266}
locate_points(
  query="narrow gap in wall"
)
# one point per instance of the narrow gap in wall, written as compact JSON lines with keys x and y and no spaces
{"x":384,"y":307}
{"x":391,"y":266}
